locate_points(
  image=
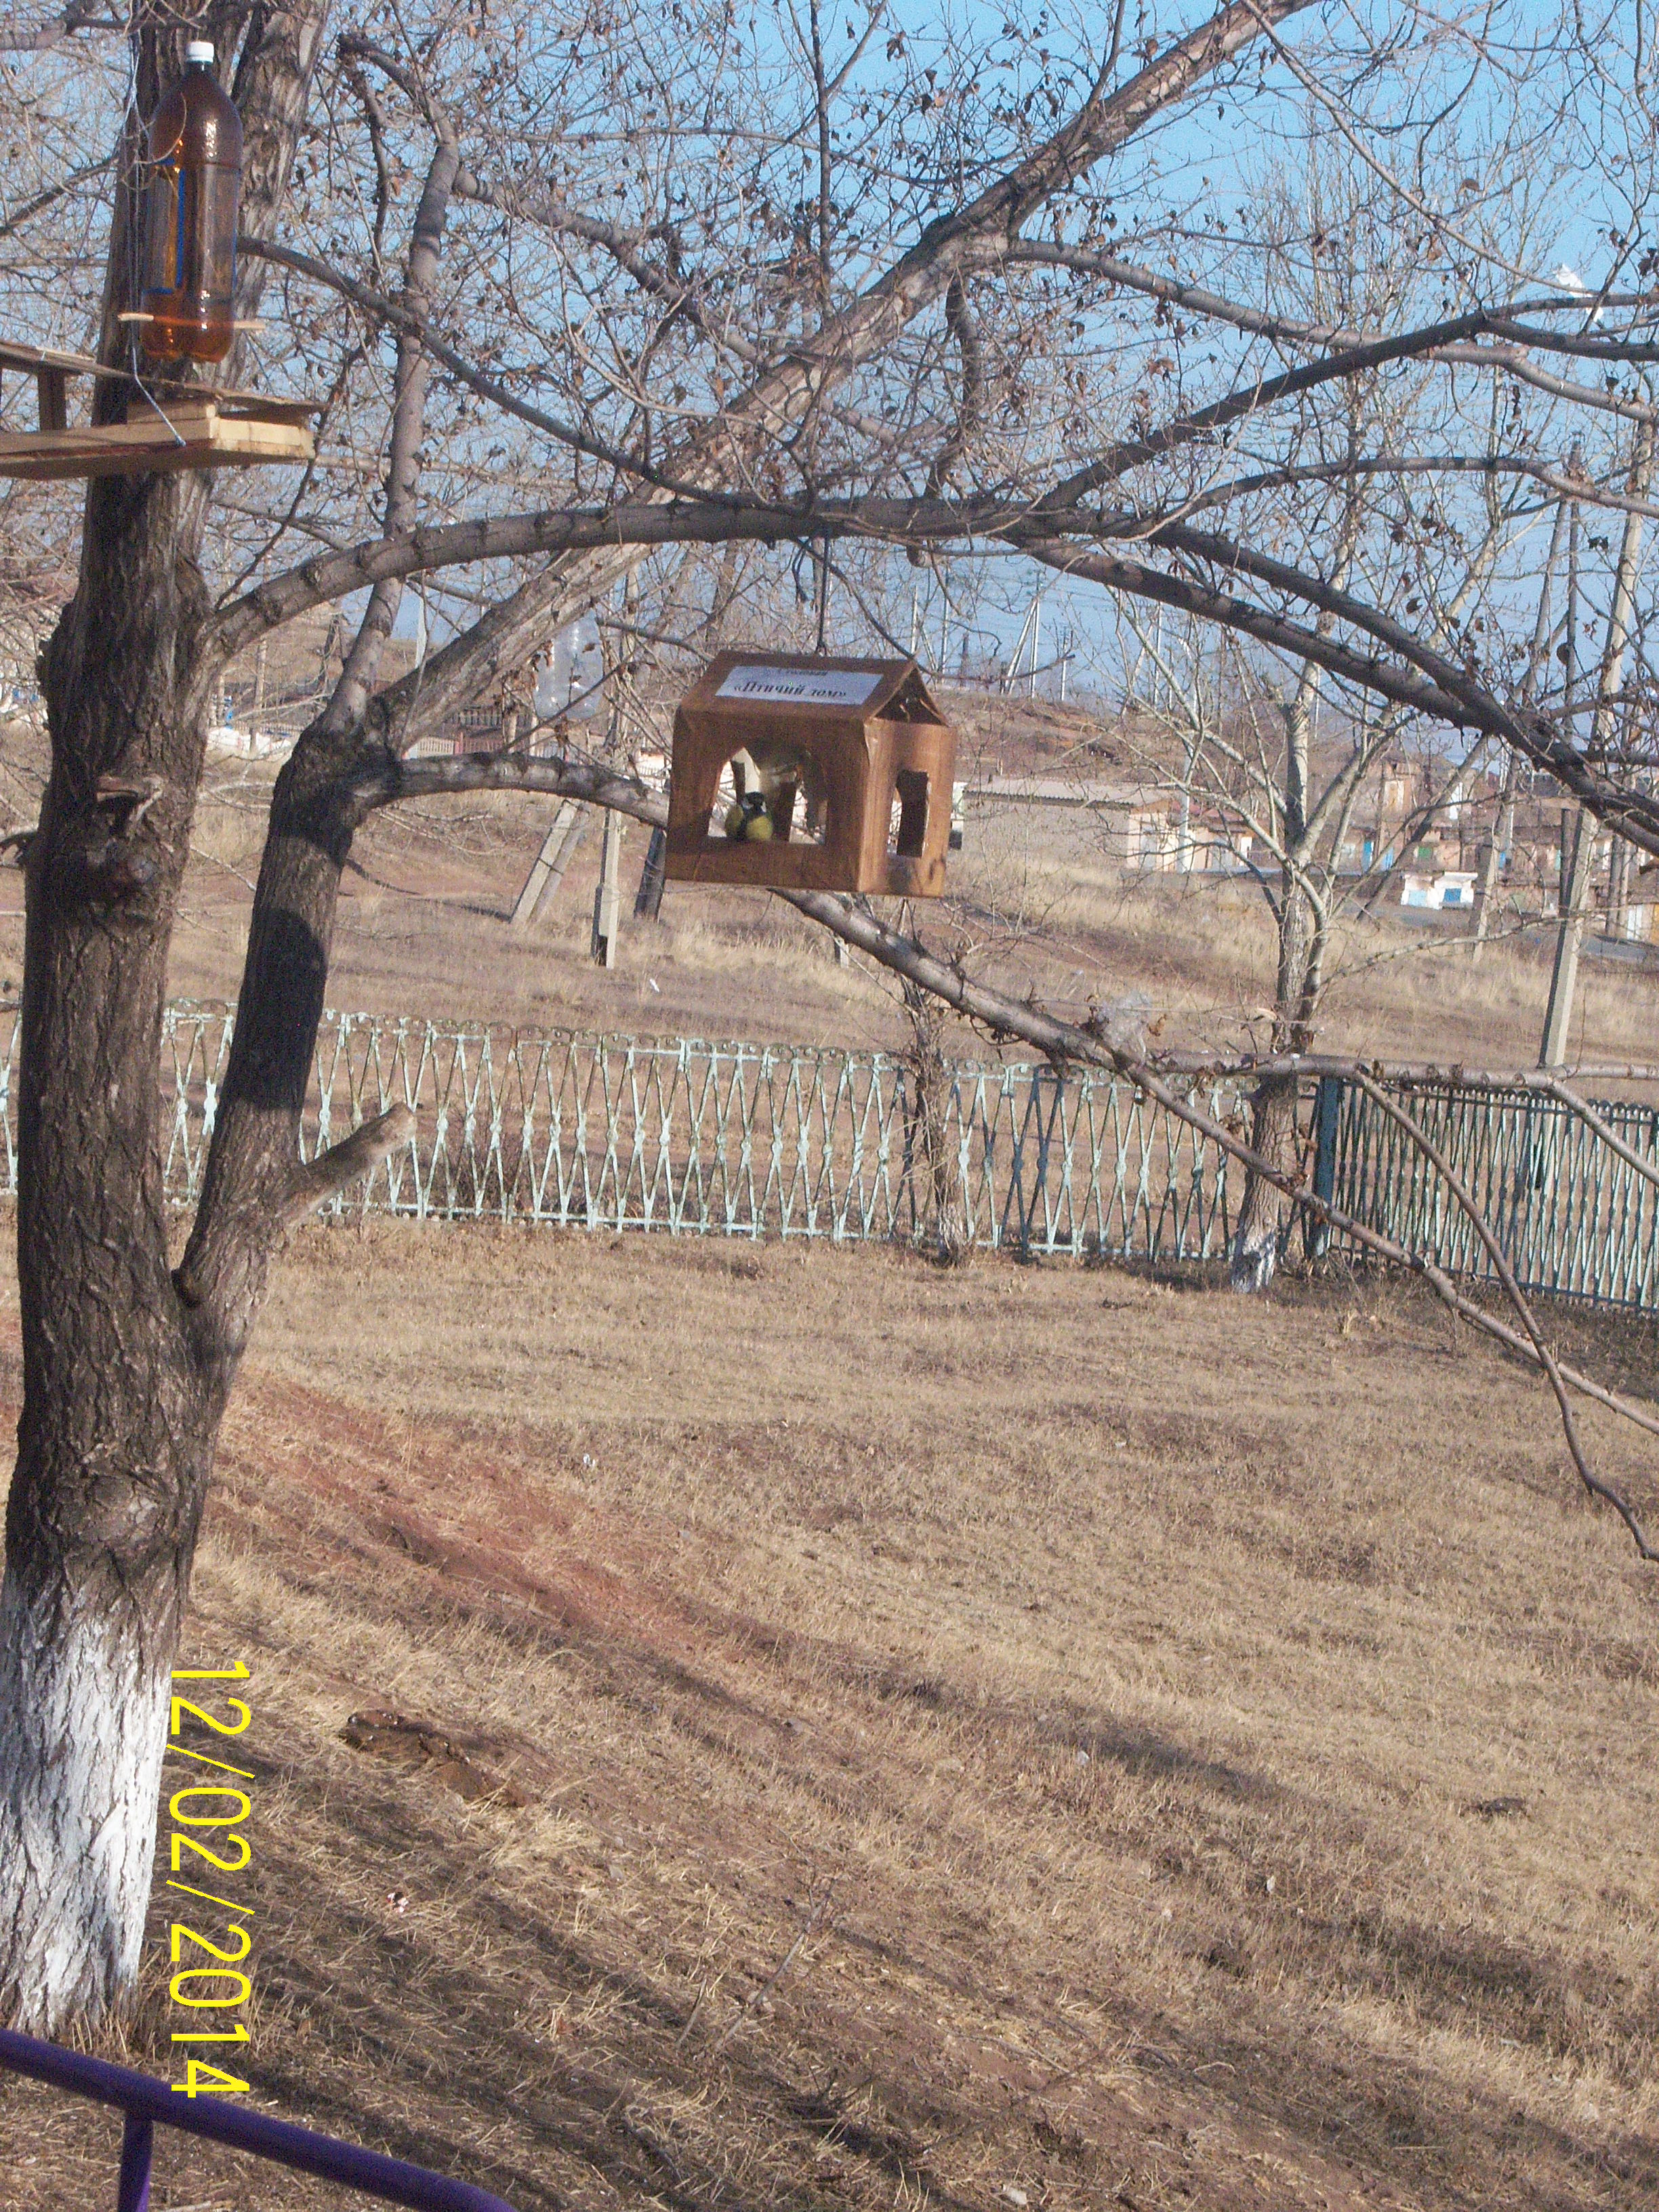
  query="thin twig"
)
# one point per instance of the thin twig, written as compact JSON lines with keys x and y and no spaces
{"x":1556,"y":1089}
{"x":1546,"y":1359}
{"x":752,"y":2001}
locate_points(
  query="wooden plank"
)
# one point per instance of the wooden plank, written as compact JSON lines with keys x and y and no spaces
{"x":146,"y":448}
{"x":260,"y":405}
{"x":52,"y":385}
{"x":12,"y":356}
{"x":155,"y":380}
{"x":647,"y":900}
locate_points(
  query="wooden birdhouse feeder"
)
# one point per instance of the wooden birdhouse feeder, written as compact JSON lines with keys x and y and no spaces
{"x":804,"y":773}
{"x":166,"y":424}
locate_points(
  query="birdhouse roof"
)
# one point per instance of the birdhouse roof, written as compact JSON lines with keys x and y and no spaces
{"x":754,"y":681}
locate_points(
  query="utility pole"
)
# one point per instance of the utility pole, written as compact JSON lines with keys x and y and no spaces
{"x":1557,"y":1019}
{"x":607,"y":899}
{"x":1491,"y":857}
{"x":1577,"y":849}
{"x":541,"y":886}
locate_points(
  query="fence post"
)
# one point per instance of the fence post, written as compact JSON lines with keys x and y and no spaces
{"x":647,"y":900}
{"x":607,"y":899}
{"x":1327,"y":1110}
{"x":138,"y":2144}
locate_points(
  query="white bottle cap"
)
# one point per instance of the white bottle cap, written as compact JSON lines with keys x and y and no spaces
{"x":199,"y":50}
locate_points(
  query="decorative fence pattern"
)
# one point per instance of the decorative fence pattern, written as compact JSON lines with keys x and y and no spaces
{"x":752,"y":1140}
{"x":742,"y":1140}
{"x":1572,"y":1218}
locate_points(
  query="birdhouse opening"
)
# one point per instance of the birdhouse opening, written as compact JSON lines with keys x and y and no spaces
{"x":778,"y":798}
{"x":907,"y":831}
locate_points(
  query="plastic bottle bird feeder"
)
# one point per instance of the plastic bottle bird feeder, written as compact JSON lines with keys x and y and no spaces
{"x":804,"y":773}
{"x":194,"y":186}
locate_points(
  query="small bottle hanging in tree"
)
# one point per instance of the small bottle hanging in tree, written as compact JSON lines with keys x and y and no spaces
{"x":195,"y":153}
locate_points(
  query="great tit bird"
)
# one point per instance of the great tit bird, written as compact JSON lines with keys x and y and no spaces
{"x":749,"y":819}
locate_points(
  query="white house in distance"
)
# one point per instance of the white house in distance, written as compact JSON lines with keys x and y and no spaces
{"x":1148,"y":827}
{"x":1449,"y":887}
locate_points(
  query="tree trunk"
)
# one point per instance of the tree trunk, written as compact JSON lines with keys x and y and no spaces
{"x":124,"y":1378}
{"x":1264,"y":1213}
{"x":114,"y":1442}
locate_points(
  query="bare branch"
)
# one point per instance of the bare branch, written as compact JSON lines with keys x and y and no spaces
{"x":353,"y":1158}
{"x":1494,"y":1251}
{"x":1428,"y":684}
{"x":487,"y":387}
{"x":1432,"y":341}
{"x":56,"y":30}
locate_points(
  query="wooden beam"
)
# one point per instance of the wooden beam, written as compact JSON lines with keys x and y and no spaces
{"x":31,"y":357}
{"x":189,"y":433}
{"x":52,"y":385}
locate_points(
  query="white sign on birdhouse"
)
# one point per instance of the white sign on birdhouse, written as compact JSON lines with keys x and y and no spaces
{"x":800,"y":687}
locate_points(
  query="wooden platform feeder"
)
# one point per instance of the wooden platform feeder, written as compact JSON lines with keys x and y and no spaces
{"x":851,"y":759}
{"x":184,"y":426}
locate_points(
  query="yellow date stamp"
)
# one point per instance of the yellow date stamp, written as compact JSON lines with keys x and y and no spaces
{"x":206,"y":1843}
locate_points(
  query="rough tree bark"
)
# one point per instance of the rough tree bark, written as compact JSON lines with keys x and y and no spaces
{"x":1264,"y":1212}
{"x":123,"y":1380}
{"x":114,"y":1443}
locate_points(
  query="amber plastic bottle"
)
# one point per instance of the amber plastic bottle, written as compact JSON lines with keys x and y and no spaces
{"x":190,"y":244}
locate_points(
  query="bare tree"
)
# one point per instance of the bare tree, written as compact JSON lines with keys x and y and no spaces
{"x":673,"y":285}
{"x":128,"y":1363}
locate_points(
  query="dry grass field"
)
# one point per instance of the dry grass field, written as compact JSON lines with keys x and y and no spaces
{"x":1034,"y":905}
{"x":994,"y":1738}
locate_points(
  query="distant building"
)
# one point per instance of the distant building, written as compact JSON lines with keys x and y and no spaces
{"x":480,"y":730}
{"x":1153,"y":828}
{"x":1451,"y":887}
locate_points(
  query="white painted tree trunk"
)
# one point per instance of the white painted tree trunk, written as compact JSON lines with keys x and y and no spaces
{"x":1264,"y":1213}
{"x":83,"y":1716}
{"x":1255,"y":1258}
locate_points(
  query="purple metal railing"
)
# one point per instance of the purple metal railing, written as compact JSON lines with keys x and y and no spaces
{"x":145,"y":2099}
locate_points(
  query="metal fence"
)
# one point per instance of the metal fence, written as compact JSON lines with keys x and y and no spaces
{"x":148,"y":2103}
{"x":751,"y":1141}
{"x":729,"y":1140}
{"x":1572,"y":1217}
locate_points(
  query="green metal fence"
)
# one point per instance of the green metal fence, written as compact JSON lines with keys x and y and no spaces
{"x":751,"y":1141}
{"x":1573,"y":1218}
